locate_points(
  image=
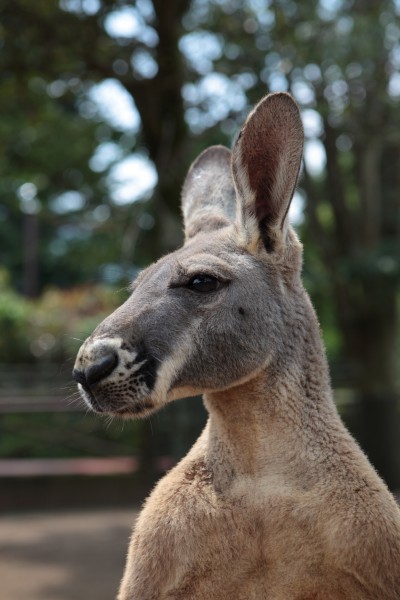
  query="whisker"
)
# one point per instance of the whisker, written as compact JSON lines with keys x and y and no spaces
{"x":108,"y":421}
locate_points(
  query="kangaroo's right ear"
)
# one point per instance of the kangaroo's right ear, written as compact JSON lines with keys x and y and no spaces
{"x":266,"y":161}
{"x":208,"y":194}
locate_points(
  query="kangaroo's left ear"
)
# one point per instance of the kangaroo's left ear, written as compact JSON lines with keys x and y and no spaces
{"x":208,"y":194}
{"x":266,"y":161}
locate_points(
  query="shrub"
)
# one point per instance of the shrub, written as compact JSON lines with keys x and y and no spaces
{"x":51,"y":328}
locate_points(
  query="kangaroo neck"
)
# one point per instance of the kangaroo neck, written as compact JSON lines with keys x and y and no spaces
{"x":268,"y":424}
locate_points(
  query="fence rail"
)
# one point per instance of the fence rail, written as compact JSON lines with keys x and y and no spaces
{"x":41,"y":416}
{"x":39,"y":388}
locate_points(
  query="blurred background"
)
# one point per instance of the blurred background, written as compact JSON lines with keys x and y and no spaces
{"x":105,"y":103}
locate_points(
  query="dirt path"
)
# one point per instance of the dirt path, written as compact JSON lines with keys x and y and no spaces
{"x":63,"y":555}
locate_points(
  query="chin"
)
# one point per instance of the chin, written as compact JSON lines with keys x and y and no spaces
{"x":125,"y":409}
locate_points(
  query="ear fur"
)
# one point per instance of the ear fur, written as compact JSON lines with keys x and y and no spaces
{"x":208,"y":194}
{"x":266,"y":161}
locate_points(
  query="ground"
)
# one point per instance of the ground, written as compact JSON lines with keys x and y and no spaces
{"x":76,"y":555}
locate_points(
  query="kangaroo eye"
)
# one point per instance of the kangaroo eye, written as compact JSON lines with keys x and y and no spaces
{"x":204,"y":283}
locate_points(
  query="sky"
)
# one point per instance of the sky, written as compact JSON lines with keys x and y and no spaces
{"x":133,"y":177}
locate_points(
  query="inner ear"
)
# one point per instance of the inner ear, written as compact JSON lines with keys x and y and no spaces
{"x":266,"y":163}
{"x":208,"y":194}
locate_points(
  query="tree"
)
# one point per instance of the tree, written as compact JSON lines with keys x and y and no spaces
{"x":341,"y":60}
{"x":356,"y":95}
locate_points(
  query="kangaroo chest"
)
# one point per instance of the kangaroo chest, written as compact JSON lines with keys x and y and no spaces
{"x":249,"y":544}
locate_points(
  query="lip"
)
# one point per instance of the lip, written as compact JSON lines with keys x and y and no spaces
{"x":90,"y":399}
{"x":144,"y":406}
{"x":132,"y":410}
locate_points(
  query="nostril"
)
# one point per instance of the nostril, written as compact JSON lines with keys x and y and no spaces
{"x":101,"y":369}
{"x":79,"y":377}
{"x":94,"y":364}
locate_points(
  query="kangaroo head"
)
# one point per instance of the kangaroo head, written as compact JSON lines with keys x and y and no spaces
{"x":214,"y":313}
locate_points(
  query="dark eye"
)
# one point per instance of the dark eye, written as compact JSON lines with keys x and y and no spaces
{"x":204,"y":283}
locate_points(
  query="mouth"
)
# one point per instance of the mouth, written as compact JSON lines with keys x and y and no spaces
{"x":130,"y":408}
{"x":143,"y":409}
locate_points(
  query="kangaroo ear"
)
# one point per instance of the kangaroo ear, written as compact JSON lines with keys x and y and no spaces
{"x":208,"y":194}
{"x":266,"y":161}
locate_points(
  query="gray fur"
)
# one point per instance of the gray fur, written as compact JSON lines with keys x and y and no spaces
{"x":208,"y":195}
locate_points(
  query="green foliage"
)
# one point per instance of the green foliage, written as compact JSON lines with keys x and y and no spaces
{"x":51,"y":328}
{"x":65,"y":435}
{"x":15,"y":319}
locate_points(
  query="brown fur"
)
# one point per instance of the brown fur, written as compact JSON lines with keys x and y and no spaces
{"x":275,"y":500}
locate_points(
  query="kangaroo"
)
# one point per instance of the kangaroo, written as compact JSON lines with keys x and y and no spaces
{"x":275,"y":500}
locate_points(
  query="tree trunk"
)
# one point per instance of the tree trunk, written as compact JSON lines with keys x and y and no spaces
{"x":361,"y":255}
{"x":30,"y":285}
{"x":370,"y":336}
{"x":159,"y":102}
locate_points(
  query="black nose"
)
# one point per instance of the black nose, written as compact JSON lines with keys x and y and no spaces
{"x":98,"y":370}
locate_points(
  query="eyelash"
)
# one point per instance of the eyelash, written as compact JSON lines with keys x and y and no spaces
{"x":216,"y":282}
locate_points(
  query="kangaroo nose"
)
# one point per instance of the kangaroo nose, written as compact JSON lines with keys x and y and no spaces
{"x":99,"y":369}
